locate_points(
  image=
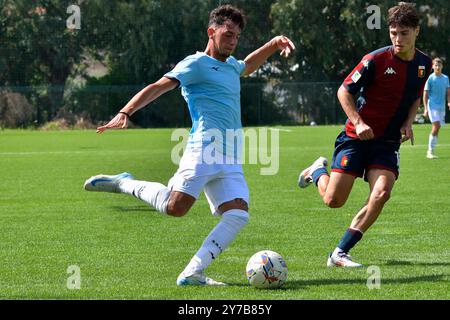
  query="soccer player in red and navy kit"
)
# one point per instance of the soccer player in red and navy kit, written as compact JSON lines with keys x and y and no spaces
{"x":390,"y":81}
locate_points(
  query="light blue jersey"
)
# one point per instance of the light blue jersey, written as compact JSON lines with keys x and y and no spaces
{"x":437,"y":87}
{"x":211,"y":89}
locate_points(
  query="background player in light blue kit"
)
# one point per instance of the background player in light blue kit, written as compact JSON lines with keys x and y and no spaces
{"x":210,"y":83}
{"x":437,"y":89}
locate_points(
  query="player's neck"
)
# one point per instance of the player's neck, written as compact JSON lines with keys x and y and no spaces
{"x":212,"y":52}
{"x":407,"y":56}
{"x":437,"y":74}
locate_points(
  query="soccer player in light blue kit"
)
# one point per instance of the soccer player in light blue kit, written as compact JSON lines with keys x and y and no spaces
{"x":210,"y":83}
{"x":437,"y":88}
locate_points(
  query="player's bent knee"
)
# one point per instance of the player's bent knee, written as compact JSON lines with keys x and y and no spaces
{"x":333,"y":202}
{"x":237,"y":203}
{"x":382,"y":196}
{"x":179,"y":204}
{"x":176,"y":209}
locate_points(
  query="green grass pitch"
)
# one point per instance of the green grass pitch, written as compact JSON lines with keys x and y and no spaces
{"x":126,"y":250}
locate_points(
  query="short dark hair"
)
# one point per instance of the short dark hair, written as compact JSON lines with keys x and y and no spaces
{"x":404,"y":14}
{"x":227,"y":12}
{"x":437,"y":60}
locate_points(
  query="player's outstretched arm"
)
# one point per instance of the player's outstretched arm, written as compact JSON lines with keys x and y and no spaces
{"x":255,"y":59}
{"x":140,"y":100}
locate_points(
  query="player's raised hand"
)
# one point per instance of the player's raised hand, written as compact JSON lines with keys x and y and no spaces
{"x":120,"y":121}
{"x":285,"y":45}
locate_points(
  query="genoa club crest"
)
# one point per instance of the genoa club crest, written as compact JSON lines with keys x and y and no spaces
{"x":344,"y":161}
{"x":421,"y":73}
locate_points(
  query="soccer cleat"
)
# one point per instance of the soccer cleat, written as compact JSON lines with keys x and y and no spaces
{"x":105,"y":183}
{"x":305,"y":177}
{"x":197,"y":279}
{"x":342,"y":259}
{"x":430,"y":155}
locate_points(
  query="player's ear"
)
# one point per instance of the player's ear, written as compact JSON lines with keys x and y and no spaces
{"x":211,"y":31}
{"x":417,"y":31}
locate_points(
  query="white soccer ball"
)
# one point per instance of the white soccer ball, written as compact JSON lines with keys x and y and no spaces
{"x":266,"y":270}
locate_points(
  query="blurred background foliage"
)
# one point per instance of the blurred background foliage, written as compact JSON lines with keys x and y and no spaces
{"x":83,"y":76}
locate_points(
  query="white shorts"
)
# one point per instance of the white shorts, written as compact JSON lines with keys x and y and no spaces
{"x":437,"y":115}
{"x":220,"y":182}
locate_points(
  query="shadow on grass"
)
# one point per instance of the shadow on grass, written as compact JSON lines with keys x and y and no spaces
{"x":414,"y":263}
{"x":325,"y":282}
{"x":301,"y":284}
{"x":136,"y":208}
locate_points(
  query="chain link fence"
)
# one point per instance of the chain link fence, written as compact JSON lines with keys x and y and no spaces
{"x":283,"y":103}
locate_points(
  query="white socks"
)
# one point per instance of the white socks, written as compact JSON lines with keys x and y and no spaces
{"x":218,"y":240}
{"x":432,"y":142}
{"x":154,"y":193}
{"x":231,"y":223}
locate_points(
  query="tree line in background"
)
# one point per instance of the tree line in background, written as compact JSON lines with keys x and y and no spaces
{"x":50,"y":71}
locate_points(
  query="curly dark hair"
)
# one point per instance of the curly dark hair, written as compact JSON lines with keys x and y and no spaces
{"x":227,"y":12}
{"x":404,"y":14}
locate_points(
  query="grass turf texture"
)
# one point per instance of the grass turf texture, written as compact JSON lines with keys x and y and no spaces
{"x":126,"y":250}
